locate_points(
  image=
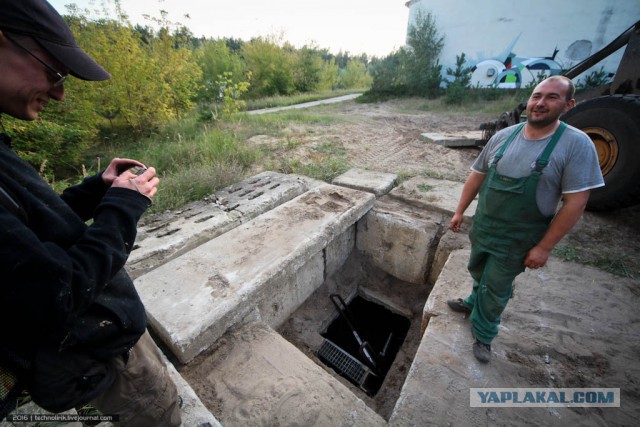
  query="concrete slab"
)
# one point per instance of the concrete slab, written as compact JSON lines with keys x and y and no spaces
{"x":192,"y":300}
{"x":448,"y":243}
{"x":555,"y":332}
{"x":166,"y":236}
{"x":378,"y":183}
{"x":439,"y":195}
{"x":400,"y":239}
{"x":454,"y":139}
{"x":255,"y":377}
{"x":193,"y":412}
{"x":337,"y":252}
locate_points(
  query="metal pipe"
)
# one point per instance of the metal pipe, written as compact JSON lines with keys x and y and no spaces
{"x":365,"y":348}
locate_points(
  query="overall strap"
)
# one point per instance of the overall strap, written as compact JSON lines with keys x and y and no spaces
{"x":543,"y":160}
{"x":500,"y":152}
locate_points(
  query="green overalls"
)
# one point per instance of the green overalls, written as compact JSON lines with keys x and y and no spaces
{"x":507,"y":224}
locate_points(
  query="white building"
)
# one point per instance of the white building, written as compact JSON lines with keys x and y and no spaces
{"x":505,"y":38}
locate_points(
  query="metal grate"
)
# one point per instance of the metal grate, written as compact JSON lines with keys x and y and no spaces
{"x":343,"y":362}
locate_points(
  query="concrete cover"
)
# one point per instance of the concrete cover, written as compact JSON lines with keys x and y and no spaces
{"x":400,"y":239}
{"x":442,"y":196}
{"x":555,"y":332}
{"x":464,"y":139}
{"x":378,"y":183}
{"x":256,"y":378}
{"x":448,"y":243}
{"x":192,"y":300}
{"x":438,"y":195}
{"x":164,"y":237}
{"x":193,"y":411}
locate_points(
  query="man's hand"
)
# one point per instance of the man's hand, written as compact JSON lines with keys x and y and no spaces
{"x":145,"y":184}
{"x":116,"y":168}
{"x":537,"y":257}
{"x":573,"y":205}
{"x":469,"y":191}
{"x":456,"y":223}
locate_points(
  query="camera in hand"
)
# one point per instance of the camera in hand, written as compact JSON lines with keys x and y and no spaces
{"x":137,"y":170}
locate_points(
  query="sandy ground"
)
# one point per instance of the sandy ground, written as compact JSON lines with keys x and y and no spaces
{"x":385,"y":137}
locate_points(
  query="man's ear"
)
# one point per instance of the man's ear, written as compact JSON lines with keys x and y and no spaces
{"x":570,"y":105}
{"x":3,"y":38}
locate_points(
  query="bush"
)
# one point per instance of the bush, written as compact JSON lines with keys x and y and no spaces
{"x":152,"y":81}
{"x":594,"y":79}
{"x":387,"y":77}
{"x":271,"y":67}
{"x":215,"y":59}
{"x":308,"y":70}
{"x":227,"y":100}
{"x":422,"y":70}
{"x":457,"y":89}
{"x":413,"y":70}
{"x":55,"y":150}
{"x":354,"y":75}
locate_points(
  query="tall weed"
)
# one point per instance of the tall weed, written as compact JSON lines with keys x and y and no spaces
{"x":192,"y":160}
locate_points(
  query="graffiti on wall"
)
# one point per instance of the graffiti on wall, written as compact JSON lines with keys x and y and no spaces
{"x":509,"y":71}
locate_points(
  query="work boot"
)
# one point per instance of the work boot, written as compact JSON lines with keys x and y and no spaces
{"x":482,"y":351}
{"x":458,"y":305}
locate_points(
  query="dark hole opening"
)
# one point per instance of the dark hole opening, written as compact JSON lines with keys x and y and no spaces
{"x":370,"y":349}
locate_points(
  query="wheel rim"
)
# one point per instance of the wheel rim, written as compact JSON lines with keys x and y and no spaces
{"x":606,"y":146}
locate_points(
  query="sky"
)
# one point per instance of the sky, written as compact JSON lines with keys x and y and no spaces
{"x":374,"y":27}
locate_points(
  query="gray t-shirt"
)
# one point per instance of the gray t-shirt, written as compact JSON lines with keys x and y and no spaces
{"x":573,"y":165}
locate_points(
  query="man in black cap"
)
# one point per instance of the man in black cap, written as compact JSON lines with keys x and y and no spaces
{"x":73,"y":325}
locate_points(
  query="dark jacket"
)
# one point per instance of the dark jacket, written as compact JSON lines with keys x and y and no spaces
{"x":62,"y":280}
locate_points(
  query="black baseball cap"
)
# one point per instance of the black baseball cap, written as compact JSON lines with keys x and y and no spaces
{"x":39,"y":20}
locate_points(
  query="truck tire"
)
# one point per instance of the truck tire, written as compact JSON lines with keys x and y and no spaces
{"x":613,"y":124}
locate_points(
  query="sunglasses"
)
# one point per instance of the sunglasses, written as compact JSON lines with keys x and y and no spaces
{"x":60,"y":78}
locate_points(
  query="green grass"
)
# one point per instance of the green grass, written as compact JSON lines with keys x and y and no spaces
{"x":617,"y":266}
{"x":245,"y":126}
{"x":501,"y":102}
{"x":325,"y":161}
{"x":325,"y":170}
{"x":439,"y":175}
{"x":404,"y":176}
{"x":424,"y":187}
{"x":195,"y":158}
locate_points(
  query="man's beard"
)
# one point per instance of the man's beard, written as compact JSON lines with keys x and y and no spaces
{"x":543,"y":121}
